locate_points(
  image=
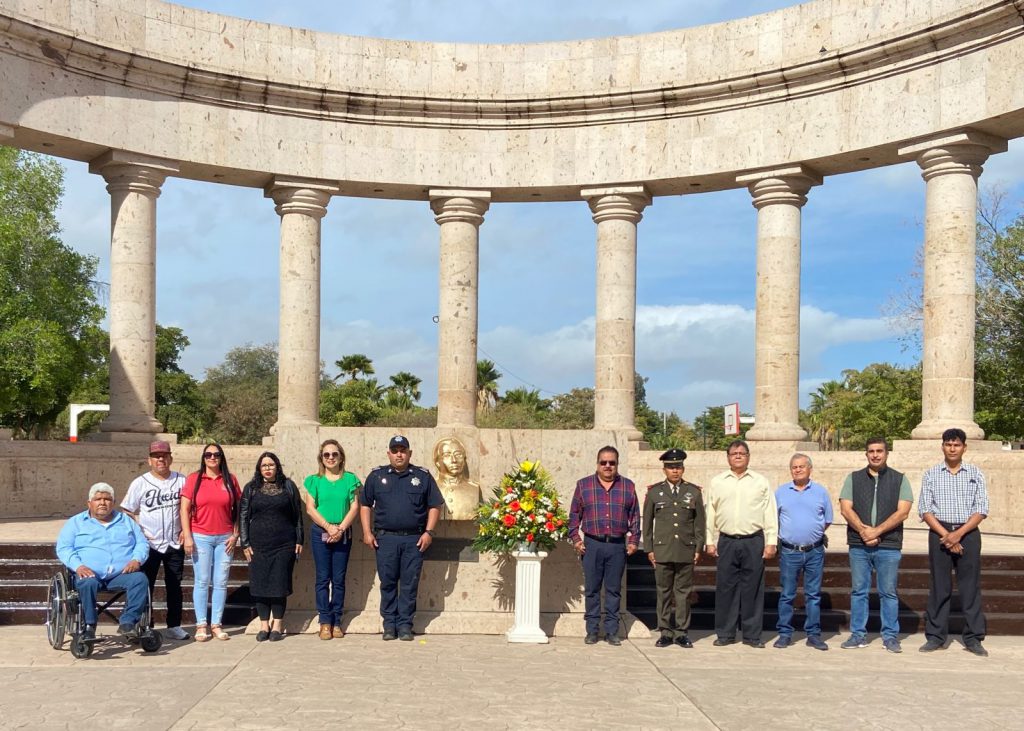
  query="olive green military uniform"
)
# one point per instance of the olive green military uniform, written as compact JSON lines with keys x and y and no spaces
{"x":673,"y":529}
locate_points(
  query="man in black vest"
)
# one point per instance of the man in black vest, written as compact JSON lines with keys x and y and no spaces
{"x":875,"y":501}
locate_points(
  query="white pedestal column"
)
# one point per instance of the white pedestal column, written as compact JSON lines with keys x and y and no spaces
{"x":459,"y":213}
{"x":950,"y":166}
{"x":527,"y":609}
{"x":778,"y":196}
{"x":616,"y":211}
{"x":134,"y":185}
{"x":301,"y":204}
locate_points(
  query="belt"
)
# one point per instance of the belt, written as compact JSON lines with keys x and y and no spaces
{"x":606,"y":539}
{"x":804,"y":548}
{"x":951,"y":526}
{"x":389,"y":532}
{"x":740,"y":538}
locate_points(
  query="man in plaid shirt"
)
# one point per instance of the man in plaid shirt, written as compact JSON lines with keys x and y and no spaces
{"x":604,"y":507}
{"x":953,"y":503}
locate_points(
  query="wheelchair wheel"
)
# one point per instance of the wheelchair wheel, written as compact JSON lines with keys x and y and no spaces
{"x":79,"y":647}
{"x":56,"y":611}
{"x":151,"y":641}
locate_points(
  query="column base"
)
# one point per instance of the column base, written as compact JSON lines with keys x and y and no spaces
{"x":776,"y":432}
{"x":131,"y":437}
{"x":933,"y":428}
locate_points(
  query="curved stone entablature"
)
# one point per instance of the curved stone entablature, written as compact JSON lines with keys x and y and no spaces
{"x":682,"y":111}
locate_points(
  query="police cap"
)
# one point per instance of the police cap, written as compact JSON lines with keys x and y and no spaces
{"x":673,"y":457}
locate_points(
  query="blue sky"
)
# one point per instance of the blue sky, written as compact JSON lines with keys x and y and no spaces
{"x":696,"y":258}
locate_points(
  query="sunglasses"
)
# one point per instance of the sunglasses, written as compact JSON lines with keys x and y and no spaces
{"x":160,"y":456}
{"x":607,"y":463}
{"x":331,"y":455}
{"x":211,"y":455}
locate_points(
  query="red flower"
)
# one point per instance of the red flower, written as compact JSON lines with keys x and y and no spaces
{"x":529,"y":537}
{"x":510,"y":520}
{"x":560,"y":522}
{"x":497,"y":505}
{"x":549,"y":516}
{"x":549,"y":526}
{"x":508,"y":489}
{"x":513,"y":506}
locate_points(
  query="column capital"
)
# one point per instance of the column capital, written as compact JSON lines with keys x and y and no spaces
{"x":958,"y":152}
{"x":617,"y":202}
{"x":788,"y":185}
{"x":129,"y":172}
{"x":462,"y":205}
{"x":300,"y":195}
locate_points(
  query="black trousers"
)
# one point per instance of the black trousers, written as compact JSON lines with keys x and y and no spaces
{"x":267,"y":607}
{"x":942,"y":564}
{"x":739,"y":587}
{"x":173,"y":561}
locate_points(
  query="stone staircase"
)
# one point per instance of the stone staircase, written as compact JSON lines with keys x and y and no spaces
{"x":1002,"y":586}
{"x":26,"y":568}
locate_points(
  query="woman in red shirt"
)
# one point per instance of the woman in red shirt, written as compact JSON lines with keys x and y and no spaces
{"x":209,"y":532}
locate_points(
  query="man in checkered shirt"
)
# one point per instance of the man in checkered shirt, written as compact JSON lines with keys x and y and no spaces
{"x":953,"y":503}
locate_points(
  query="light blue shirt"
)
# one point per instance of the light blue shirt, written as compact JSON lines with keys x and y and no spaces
{"x":803,"y":514}
{"x":103,"y":547}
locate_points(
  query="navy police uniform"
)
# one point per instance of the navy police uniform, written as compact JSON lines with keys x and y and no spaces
{"x":673,"y":533}
{"x":400,"y":502}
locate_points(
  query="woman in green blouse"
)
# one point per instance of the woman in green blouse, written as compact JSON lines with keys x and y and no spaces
{"x":332,"y":506}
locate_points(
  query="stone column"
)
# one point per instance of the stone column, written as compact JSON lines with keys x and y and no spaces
{"x":616,"y":211}
{"x":133,"y":182}
{"x":459,"y":213}
{"x":950,"y":166}
{"x":300,"y":204}
{"x":778,"y":195}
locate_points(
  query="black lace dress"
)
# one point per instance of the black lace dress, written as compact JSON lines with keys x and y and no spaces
{"x":272,"y":538}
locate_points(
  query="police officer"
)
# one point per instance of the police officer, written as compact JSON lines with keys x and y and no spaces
{"x":404,"y":503}
{"x":673,"y":533}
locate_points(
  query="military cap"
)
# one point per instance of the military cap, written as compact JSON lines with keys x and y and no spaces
{"x":673,"y":456}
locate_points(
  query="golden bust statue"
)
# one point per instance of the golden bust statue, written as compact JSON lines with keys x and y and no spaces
{"x":461,"y":495}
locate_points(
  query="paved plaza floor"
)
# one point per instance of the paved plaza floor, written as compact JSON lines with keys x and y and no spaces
{"x":482,"y":682}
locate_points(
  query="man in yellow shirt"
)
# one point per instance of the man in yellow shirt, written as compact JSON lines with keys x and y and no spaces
{"x":742,"y":531}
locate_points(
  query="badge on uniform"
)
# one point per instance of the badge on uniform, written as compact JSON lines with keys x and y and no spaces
{"x":415,"y":482}
{"x":383,"y":480}
{"x":687,"y":500}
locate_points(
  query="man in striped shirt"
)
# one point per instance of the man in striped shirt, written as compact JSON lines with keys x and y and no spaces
{"x":953,"y":503}
{"x":604,"y":528}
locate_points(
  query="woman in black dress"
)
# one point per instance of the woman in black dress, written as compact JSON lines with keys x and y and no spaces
{"x":270,"y":522}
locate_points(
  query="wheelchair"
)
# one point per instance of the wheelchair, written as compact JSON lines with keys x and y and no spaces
{"x":65,"y":616}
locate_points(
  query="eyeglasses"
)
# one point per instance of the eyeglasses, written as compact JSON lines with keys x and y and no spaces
{"x":738,"y":454}
{"x":268,"y":466}
{"x":211,"y":455}
{"x":607,"y":463}
{"x":331,"y":455}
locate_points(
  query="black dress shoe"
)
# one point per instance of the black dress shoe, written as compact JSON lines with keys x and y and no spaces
{"x":754,"y":643}
{"x":405,"y":635}
{"x":613,"y":640}
{"x":931,"y":646}
{"x":275,"y":636}
{"x":389,"y":634}
{"x":262,"y":635}
{"x":723,"y":642}
{"x":89,"y":633}
{"x":590,"y":640}
{"x":975,"y":648}
{"x":683,"y":641}
{"x":663,"y":641}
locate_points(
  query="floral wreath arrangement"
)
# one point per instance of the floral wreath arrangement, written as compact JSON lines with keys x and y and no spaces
{"x":524,"y":510}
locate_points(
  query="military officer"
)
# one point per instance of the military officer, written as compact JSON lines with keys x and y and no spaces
{"x":673,"y":534}
{"x":404,"y":504}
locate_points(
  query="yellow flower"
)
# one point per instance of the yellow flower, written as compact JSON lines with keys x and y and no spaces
{"x":526,"y":466}
{"x":526,"y":505}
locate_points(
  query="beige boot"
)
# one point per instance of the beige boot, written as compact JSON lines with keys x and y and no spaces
{"x":325,"y":631}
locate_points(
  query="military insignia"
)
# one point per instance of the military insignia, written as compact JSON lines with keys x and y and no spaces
{"x":415,"y":482}
{"x":383,"y":480}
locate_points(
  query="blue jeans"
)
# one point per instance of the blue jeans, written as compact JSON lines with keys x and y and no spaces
{"x":211,"y":563}
{"x":331,"y":560}
{"x":812,"y":564}
{"x":135,"y":584}
{"x":885,"y":562}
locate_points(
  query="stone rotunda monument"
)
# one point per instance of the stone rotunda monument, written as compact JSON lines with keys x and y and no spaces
{"x":775,"y":103}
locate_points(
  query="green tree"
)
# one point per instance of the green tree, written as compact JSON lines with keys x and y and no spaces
{"x":709,"y":431}
{"x":180,"y":403}
{"x":49,"y":316}
{"x":820,"y":418}
{"x":573,"y":410}
{"x":353,"y":403}
{"x":242,"y":394}
{"x":404,"y":391}
{"x":487,"y":377}
{"x":519,"y":408}
{"x":353,"y":365}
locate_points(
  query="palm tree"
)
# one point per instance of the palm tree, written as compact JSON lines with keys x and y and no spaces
{"x":487,"y":376}
{"x":353,"y":365}
{"x":528,"y":398}
{"x":822,"y":417}
{"x":406,"y":384}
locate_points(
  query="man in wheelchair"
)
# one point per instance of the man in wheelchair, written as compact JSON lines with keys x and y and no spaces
{"x":105,"y":549}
